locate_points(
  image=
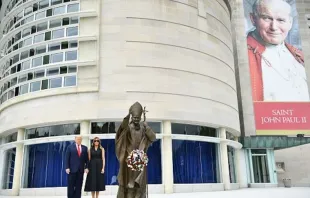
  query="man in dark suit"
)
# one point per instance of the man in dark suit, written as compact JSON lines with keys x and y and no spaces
{"x":76,"y":164}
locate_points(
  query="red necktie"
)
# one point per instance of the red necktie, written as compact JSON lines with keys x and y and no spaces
{"x":79,"y":151}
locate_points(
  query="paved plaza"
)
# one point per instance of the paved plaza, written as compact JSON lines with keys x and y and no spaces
{"x":244,"y":193}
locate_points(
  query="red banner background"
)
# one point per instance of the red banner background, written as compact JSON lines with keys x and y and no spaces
{"x":282,"y":115}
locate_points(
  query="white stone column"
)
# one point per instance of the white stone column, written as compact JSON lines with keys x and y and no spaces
{"x":224,"y":160}
{"x":167,"y":167}
{"x":240,"y":166}
{"x":2,"y":162}
{"x":18,"y":163}
{"x":84,"y":132}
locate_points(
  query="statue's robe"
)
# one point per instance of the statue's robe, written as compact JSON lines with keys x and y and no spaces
{"x":132,"y":184}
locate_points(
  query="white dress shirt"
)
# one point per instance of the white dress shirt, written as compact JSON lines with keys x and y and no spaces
{"x":284,"y":78}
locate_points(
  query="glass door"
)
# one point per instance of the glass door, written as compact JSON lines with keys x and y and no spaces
{"x":260,"y":168}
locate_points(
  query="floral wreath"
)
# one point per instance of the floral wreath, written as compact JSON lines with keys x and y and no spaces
{"x":137,"y":160}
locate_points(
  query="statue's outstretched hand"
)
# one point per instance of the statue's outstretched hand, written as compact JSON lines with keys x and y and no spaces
{"x":145,"y":124}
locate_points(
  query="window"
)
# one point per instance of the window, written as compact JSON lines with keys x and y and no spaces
{"x":20,"y":16}
{"x":54,"y":46}
{"x":33,"y":29}
{"x":42,"y":26}
{"x":57,"y":58}
{"x":9,"y":164}
{"x":11,"y":94}
{"x":11,"y":23}
{"x":52,"y":71}
{"x":31,"y":52}
{"x":49,"y":12}
{"x":14,"y":81}
{"x":35,"y":86}
{"x":46,"y":59}
{"x":11,"y":61}
{"x":187,"y":129}
{"x":55,"y":2}
{"x":73,"y":7}
{"x":55,"y":23}
{"x":26,"y":65}
{"x":24,"y":89}
{"x":22,"y":78}
{"x":43,"y":4}
{"x":15,"y":58}
{"x":185,"y":153}
{"x":73,"y":44}
{"x":70,"y":81}
{"x":13,"y":70}
{"x":41,"y":49}
{"x":35,"y":7}
{"x":15,"y":47}
{"x":29,"y":19}
{"x":39,"y":74}
{"x":231,"y":164}
{"x":30,"y":76}
{"x":74,"y":20}
{"x":60,"y":10}
{"x":4,"y":97}
{"x":72,"y":31}
{"x":63,"y":70}
{"x":40,"y":170}
{"x":16,"y":91}
{"x":38,"y":38}
{"x":11,"y":138}
{"x":40,"y":15}
{"x":19,"y":67}
{"x":20,"y":44}
{"x":48,"y":36}
{"x":37,"y":62}
{"x":24,"y":55}
{"x":37,"y":133}
{"x":65,"y":21}
{"x":18,"y":36}
{"x":26,"y":32}
{"x":72,"y":69}
{"x":44,"y":84}
{"x":58,"y":33}
{"x":17,"y":25}
{"x":72,"y":55}
{"x":5,"y":86}
{"x":28,"y":42}
{"x":55,"y":82}
{"x":28,"y":11}
{"x":64,"y":45}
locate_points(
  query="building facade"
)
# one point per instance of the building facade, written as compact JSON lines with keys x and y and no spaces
{"x":74,"y":67}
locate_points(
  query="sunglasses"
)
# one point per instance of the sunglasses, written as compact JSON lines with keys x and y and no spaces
{"x":96,"y":140}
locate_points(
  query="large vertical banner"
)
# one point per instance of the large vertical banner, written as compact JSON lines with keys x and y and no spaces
{"x":278,"y":76}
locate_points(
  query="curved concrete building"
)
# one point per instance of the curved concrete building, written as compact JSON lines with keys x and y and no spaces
{"x":73,"y":67}
{"x":174,"y":57}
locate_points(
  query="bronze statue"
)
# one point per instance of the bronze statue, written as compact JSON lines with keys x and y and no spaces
{"x":130,"y":136}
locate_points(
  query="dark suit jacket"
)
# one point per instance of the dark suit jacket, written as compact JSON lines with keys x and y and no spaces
{"x":73,"y":161}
